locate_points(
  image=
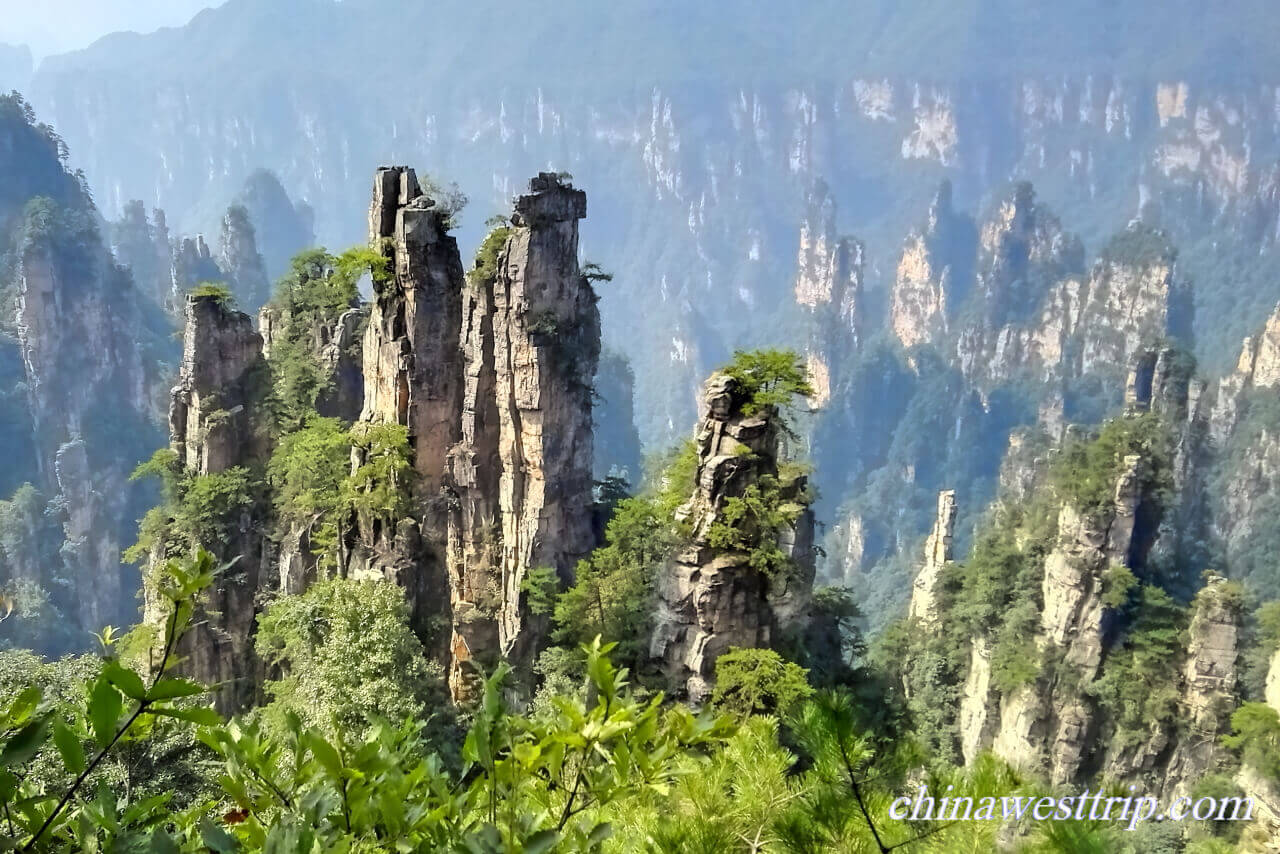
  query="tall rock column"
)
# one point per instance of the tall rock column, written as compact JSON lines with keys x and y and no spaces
{"x":212,"y":428}
{"x":546,"y":345}
{"x":412,"y":363}
{"x":712,"y":599}
{"x":412,"y":377}
{"x":1209,"y":685}
{"x":937,"y":554}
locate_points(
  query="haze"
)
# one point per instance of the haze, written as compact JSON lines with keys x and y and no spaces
{"x":58,"y":26}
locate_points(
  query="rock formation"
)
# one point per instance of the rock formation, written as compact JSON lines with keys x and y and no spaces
{"x":215,"y":425}
{"x":1048,"y":726}
{"x":531,"y":338}
{"x":193,"y":264}
{"x":412,"y":378}
{"x":712,"y":599}
{"x":937,"y":554}
{"x":88,"y":391}
{"x":1209,"y":686}
{"x":239,"y":260}
{"x":933,"y":274}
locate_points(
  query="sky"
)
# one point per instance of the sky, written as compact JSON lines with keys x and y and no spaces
{"x":58,"y":26}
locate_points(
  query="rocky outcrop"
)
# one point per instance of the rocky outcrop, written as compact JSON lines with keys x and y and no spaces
{"x":282,"y":227}
{"x":412,"y":372}
{"x":937,"y":554}
{"x":142,"y":244}
{"x":216,"y":424}
{"x":1209,"y":690}
{"x":88,"y":379}
{"x":712,"y":599}
{"x":239,"y":260}
{"x":933,"y":274}
{"x":211,"y":422}
{"x":1258,"y":367}
{"x":193,"y":264}
{"x":1049,"y":725}
{"x":546,"y":345}
{"x":412,"y":362}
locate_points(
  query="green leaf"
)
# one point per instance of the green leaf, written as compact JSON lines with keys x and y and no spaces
{"x":541,"y":842}
{"x":201,"y":715}
{"x":23,"y":705}
{"x":24,"y":743}
{"x":162,"y":843}
{"x":105,"y":705}
{"x":599,"y":833}
{"x":69,"y":746}
{"x":326,"y":755}
{"x":173,"y":688}
{"x":217,"y":839}
{"x":126,"y":680}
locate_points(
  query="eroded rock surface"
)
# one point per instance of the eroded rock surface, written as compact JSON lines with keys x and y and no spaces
{"x":713,"y":599}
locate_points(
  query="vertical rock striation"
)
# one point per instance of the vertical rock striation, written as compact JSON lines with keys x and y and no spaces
{"x":711,"y":599}
{"x":546,"y":330}
{"x":937,"y":554}
{"x":213,"y":427}
{"x":412,"y":369}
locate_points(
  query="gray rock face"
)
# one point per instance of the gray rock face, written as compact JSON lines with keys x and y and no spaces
{"x":1210,"y":690}
{"x":1049,"y":726}
{"x":239,"y":260}
{"x":710,"y":599}
{"x":546,"y":332}
{"x":412,"y":371}
{"x":193,"y":264}
{"x":84,"y":382}
{"x":937,"y":554}
{"x":212,"y":428}
{"x":412,"y":361}
{"x":221,"y":376}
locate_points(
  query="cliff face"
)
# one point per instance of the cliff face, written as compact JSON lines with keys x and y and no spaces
{"x":712,"y":598}
{"x":89,"y":391}
{"x":1209,"y":687}
{"x":1049,"y":725}
{"x":522,"y":472}
{"x":937,"y":554}
{"x":215,"y":424}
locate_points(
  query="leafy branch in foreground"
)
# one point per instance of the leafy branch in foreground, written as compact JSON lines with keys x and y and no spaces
{"x":35,"y":818}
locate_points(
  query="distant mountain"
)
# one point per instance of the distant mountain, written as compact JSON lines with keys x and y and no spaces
{"x":703,"y":133}
{"x":15,"y":67}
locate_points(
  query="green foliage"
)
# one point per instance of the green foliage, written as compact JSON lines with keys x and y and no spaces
{"x":593,"y":273}
{"x":449,"y":199}
{"x":1138,"y":687}
{"x":1086,"y":471}
{"x":314,"y":294}
{"x":540,"y":587}
{"x":379,"y":488}
{"x":1117,"y":582}
{"x":216,"y":291}
{"x":753,"y":523}
{"x":768,"y":379}
{"x":485,"y":271}
{"x":1269,"y":625}
{"x":1256,"y":736}
{"x":346,"y":658}
{"x":211,"y":504}
{"x":54,"y":740}
{"x":759,"y":682}
{"x":306,"y":473}
{"x":614,"y":589}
